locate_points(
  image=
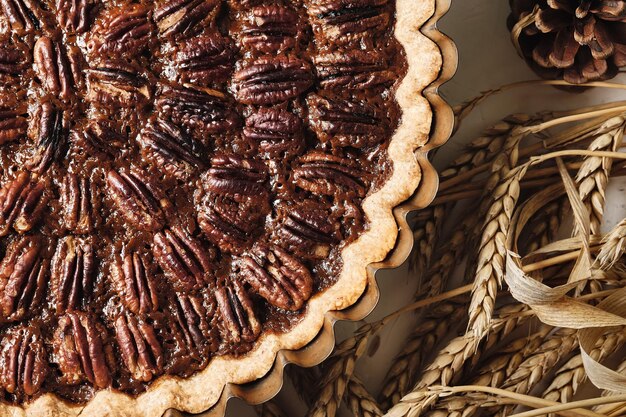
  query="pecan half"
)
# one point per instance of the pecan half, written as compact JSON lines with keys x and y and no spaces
{"x":117,"y":85}
{"x":239,"y":321}
{"x":233,"y":201}
{"x":346,"y":123}
{"x":139,"y":347}
{"x":204,"y":60}
{"x":271,"y":28}
{"x":23,"y":361}
{"x":275,"y":131}
{"x":192,"y":320}
{"x":22,"y":203}
{"x":183,"y":18}
{"x":73,"y":15}
{"x":307,"y":229}
{"x":352,"y":70}
{"x":13,"y":125}
{"x":79,"y":350}
{"x":326,"y":174}
{"x":50,"y":137}
{"x":73,"y":273}
{"x":277,"y":276}
{"x":24,"y":16}
{"x":346,"y":20}
{"x":187,"y":263}
{"x":175,"y":152}
{"x":80,"y":204}
{"x":231,"y":174}
{"x":141,"y":203}
{"x":23,"y":279}
{"x":133,"y":278}
{"x":202,"y":112}
{"x":13,"y":59}
{"x":272,"y":79}
{"x":126,"y":30}
{"x":54,"y":68}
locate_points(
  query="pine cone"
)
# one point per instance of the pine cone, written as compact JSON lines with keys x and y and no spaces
{"x":574,"y":40}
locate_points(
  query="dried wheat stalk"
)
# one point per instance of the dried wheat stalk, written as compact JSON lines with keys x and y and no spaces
{"x":572,"y":374}
{"x":434,"y":326}
{"x":479,"y":151}
{"x":269,"y":409}
{"x":613,"y":246}
{"x":492,"y":251}
{"x":492,"y":373}
{"x":554,"y":349}
{"x":338,"y":370}
{"x":593,"y":175}
{"x":360,"y":401}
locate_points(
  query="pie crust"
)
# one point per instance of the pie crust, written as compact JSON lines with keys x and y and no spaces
{"x":200,"y":391}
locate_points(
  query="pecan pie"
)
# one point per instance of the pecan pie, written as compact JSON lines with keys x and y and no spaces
{"x":188,"y":186}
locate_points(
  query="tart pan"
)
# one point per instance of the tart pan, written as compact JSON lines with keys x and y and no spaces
{"x":321,"y":347}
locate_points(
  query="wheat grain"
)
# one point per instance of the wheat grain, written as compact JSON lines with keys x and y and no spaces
{"x":492,"y":252}
{"x":554,"y":348}
{"x":360,"y":401}
{"x":269,"y":409}
{"x":303,"y":379}
{"x":613,"y":246}
{"x":593,"y":175}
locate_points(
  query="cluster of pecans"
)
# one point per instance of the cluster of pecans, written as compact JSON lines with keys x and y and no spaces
{"x":176,"y":172}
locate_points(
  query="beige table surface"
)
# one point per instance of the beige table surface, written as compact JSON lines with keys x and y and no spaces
{"x":487,"y":59}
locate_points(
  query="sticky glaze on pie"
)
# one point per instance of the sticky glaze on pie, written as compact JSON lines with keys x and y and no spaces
{"x":187,"y":186}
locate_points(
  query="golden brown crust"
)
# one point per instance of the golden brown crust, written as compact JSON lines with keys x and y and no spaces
{"x":201,"y":391}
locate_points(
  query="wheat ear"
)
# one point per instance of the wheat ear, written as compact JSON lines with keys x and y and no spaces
{"x":360,"y":401}
{"x":613,"y":246}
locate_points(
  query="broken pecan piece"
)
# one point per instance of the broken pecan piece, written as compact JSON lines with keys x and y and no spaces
{"x":13,"y":125}
{"x":187,"y":263}
{"x":73,"y":273}
{"x":99,"y":137}
{"x":204,"y":60}
{"x":80,"y":352}
{"x":321,"y":173}
{"x":272,"y":79}
{"x":54,"y":68}
{"x":347,"y":20}
{"x":80,"y":204}
{"x":277,"y":276}
{"x":346,"y":123}
{"x":139,"y":201}
{"x":275,"y":131}
{"x":24,"y":16}
{"x":117,"y":85}
{"x":239,"y":321}
{"x":22,"y":202}
{"x":352,"y":70}
{"x":271,"y":28}
{"x":201,"y":111}
{"x":307,"y":229}
{"x":134,"y":282}
{"x":23,"y":361}
{"x":50,"y":137}
{"x":175,"y":152}
{"x":183,"y":18}
{"x":23,"y":278}
{"x":125,"y":30}
{"x":139,"y":347}
{"x":73,"y":15}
